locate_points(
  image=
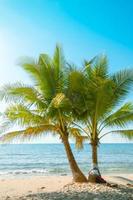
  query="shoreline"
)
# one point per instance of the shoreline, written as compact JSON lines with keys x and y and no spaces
{"x":16,"y":187}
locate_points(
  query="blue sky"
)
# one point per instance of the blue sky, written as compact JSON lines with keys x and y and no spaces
{"x":84,"y":28}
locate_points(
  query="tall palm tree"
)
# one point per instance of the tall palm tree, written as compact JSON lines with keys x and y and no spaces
{"x":101,"y":111}
{"x":43,"y":107}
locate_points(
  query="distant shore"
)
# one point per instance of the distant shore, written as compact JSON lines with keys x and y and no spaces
{"x":35,"y":186}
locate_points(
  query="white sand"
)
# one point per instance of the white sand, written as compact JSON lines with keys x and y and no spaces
{"x":27,"y":185}
{"x":123,"y":179}
{"x":15,"y":187}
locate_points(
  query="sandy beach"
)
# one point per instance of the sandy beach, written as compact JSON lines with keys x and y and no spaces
{"x":62,"y":187}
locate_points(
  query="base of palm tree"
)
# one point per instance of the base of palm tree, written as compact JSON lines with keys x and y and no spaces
{"x":95,"y":176}
{"x":96,"y":179}
{"x":79,"y":179}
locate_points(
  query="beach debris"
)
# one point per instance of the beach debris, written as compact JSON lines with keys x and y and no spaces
{"x":115,"y":185}
{"x":8,"y":197}
{"x":129,"y":184}
{"x":42,"y":188}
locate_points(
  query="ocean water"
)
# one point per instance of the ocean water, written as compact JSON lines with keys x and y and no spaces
{"x":50,"y":159}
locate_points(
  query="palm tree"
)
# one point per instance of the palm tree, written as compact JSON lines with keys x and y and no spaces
{"x":101,"y":111}
{"x":43,"y":107}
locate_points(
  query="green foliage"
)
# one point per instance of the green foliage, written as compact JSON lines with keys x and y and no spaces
{"x":77,"y":134}
{"x":121,"y":117}
{"x":63,"y":96}
{"x":124,"y":133}
{"x":29,"y":133}
{"x":97,"y":95}
{"x":43,"y":107}
{"x":19,"y":92}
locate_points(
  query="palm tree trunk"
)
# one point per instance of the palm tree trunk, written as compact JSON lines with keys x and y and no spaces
{"x":94,"y":156}
{"x":78,"y":176}
{"x":94,"y":174}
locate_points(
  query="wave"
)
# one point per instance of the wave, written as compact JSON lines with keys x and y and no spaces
{"x":24,"y":171}
{"x":60,"y":171}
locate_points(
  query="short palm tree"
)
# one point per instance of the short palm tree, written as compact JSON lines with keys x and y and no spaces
{"x":43,"y":107}
{"x":98,"y":106}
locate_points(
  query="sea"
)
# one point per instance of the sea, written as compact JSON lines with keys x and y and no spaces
{"x":50,"y":159}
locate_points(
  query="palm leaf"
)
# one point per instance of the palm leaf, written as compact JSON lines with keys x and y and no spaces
{"x":58,"y":61}
{"x":97,"y":67}
{"x":22,"y":93}
{"x":77,"y":92}
{"x":29,"y":133}
{"x":31,"y":67}
{"x":121,"y":117}
{"x":123,"y":81}
{"x":48,"y":84}
{"x":124,"y":133}
{"x":22,"y":115}
{"x":100,"y":67}
{"x":79,"y":138}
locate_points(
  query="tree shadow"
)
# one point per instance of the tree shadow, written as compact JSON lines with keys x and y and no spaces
{"x":121,"y":193}
{"x":123,"y":178}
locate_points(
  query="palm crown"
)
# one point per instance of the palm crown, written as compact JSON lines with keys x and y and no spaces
{"x":106,"y":93}
{"x":38,"y":105}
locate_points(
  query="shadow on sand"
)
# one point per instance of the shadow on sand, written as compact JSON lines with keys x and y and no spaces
{"x":121,"y":193}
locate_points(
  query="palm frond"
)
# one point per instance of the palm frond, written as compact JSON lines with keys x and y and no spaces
{"x":29,"y":133}
{"x":123,"y":81}
{"x":79,"y":138}
{"x":6,"y":92}
{"x":48,"y":83}
{"x":58,"y":61}
{"x":124,"y":133}
{"x":121,"y":117}
{"x":31,"y":67}
{"x":22,"y":115}
{"x":88,"y":63}
{"x":80,"y":141}
{"x":22,"y":93}
{"x":100,"y":67}
{"x":77,"y":92}
{"x":97,"y":68}
{"x":6,"y":124}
